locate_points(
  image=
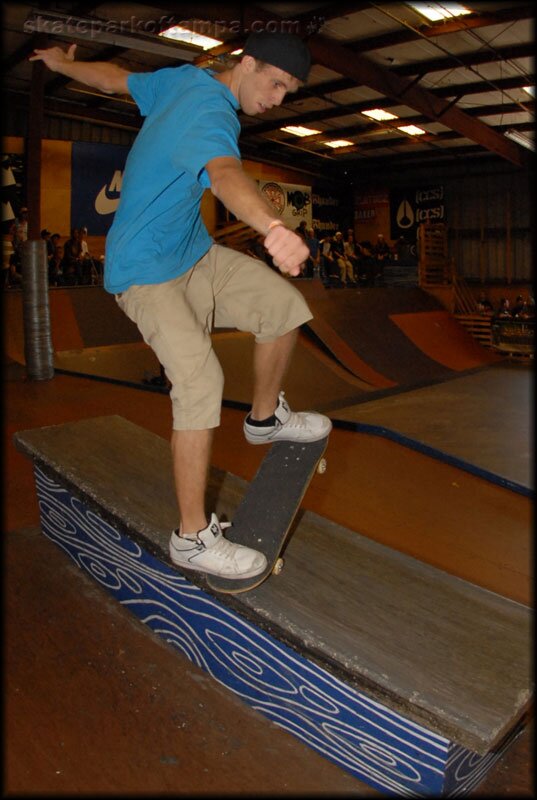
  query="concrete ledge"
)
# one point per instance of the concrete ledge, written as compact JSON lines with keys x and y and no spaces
{"x":411,"y":679}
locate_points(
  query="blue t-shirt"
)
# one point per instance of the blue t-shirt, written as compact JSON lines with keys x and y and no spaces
{"x":157,"y":233}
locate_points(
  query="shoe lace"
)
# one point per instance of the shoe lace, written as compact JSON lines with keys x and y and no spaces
{"x":223,"y":547}
{"x":296,"y":420}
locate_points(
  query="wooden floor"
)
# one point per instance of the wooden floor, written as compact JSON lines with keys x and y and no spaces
{"x":95,"y":703}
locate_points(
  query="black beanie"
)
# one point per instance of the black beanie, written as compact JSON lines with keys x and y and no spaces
{"x":283,"y":50}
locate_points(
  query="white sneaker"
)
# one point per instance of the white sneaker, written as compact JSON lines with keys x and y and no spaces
{"x":208,"y":551}
{"x":291,"y":426}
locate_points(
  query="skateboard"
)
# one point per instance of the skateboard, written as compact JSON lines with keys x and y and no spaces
{"x":264,"y":518}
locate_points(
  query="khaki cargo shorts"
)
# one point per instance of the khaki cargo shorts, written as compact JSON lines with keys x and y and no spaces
{"x":225,"y":289}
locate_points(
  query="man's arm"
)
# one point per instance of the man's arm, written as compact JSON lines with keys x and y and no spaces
{"x":240,"y":195}
{"x":108,"y":78}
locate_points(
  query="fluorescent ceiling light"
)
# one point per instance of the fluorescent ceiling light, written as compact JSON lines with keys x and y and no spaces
{"x":413,"y":130}
{"x":236,"y":52}
{"x":338,"y":143}
{"x":521,"y":138}
{"x":299,"y":130}
{"x":529,"y":90}
{"x":438,"y":11}
{"x":379,"y":114}
{"x":190,"y":37}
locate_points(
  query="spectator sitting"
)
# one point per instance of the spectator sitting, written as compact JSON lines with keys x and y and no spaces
{"x":19,"y":231}
{"x":367,"y":266}
{"x":72,"y":262}
{"x":314,"y":245}
{"x":90,"y":268}
{"x":45,"y":235}
{"x":345,"y":266}
{"x":55,"y":269}
{"x":503,"y":311}
{"x":381,"y":253}
{"x":329,"y":267}
{"x":519,"y":307}
{"x":484,"y":305}
{"x":529,"y":312}
{"x":402,"y":249}
{"x":55,"y":242}
{"x":353,"y":253}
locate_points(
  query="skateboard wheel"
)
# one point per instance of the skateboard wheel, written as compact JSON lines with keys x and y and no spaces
{"x":278,"y":566}
{"x":321,"y":466}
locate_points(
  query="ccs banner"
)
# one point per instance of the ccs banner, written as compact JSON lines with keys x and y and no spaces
{"x":96,"y":177}
{"x":291,"y":201}
{"x":411,"y":206}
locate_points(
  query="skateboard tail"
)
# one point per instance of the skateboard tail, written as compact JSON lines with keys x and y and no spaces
{"x":264,"y":519}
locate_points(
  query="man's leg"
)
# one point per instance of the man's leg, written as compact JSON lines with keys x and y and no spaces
{"x":251,"y":297}
{"x":199,"y":544}
{"x":271,"y":360}
{"x":191,"y":453}
{"x":271,"y":418}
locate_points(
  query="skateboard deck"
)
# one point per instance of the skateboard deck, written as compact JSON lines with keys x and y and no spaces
{"x":265,"y":516}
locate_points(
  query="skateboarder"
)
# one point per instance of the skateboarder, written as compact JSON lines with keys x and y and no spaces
{"x":171,"y":279}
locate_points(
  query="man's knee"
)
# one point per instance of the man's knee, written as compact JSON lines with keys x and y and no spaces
{"x":197,"y":400}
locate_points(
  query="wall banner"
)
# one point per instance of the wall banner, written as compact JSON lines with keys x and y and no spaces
{"x":411,"y":206}
{"x":13,"y":179}
{"x":291,"y":201}
{"x":96,"y":177}
{"x":368,"y":204}
{"x":331,"y":212}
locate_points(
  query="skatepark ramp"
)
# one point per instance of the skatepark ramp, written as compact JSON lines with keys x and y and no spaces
{"x":392,"y":337}
{"x":359,"y":341}
{"x":80,"y":317}
{"x":409,"y":678}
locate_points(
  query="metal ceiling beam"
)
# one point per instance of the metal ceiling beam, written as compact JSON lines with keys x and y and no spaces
{"x":27,"y":48}
{"x":438,"y":65}
{"x":340,"y":109}
{"x":443,"y":27}
{"x":365,"y":72}
{"x":104,"y":31}
{"x":472,"y":59}
{"x":310,"y":21}
{"x":67,"y":109}
{"x":367,"y":147}
{"x":304,"y":24}
{"x":357,"y":108}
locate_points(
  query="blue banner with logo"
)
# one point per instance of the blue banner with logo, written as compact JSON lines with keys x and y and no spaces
{"x":96,"y":177}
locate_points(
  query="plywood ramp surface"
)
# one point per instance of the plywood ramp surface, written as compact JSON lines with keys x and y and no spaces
{"x":441,"y":651}
{"x":393,"y":332}
{"x":313,"y":378}
{"x":484,"y":419}
{"x":311,"y":374}
{"x":443,"y":339}
{"x":80,"y":317}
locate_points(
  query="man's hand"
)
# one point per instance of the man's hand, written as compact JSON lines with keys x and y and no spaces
{"x":54,"y":57}
{"x":287,"y":249}
{"x":107,"y":77}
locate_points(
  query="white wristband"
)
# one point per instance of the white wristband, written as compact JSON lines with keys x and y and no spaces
{"x":274,"y":223}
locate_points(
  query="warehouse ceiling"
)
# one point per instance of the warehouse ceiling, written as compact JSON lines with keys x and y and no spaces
{"x":465,"y":81}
